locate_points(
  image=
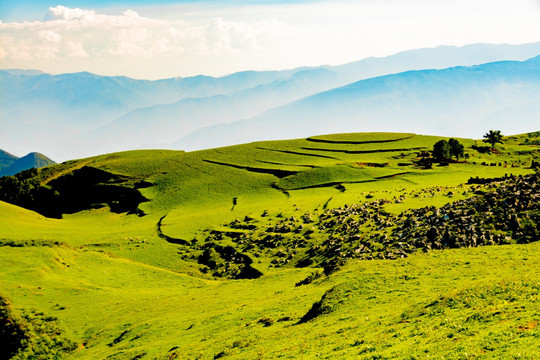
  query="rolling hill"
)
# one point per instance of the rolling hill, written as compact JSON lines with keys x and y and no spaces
{"x":456,"y":101}
{"x":339,"y":245}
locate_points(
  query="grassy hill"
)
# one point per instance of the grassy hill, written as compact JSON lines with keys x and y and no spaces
{"x":318,"y":247}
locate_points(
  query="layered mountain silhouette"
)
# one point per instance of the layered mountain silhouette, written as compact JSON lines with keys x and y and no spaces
{"x":161,"y":125}
{"x":83,"y":114}
{"x":459,"y":101}
{"x":11,"y":164}
{"x":46,"y":111}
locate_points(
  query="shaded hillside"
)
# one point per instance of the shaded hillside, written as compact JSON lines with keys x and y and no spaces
{"x":80,"y":189}
{"x":6,"y":160}
{"x":457,"y":101}
{"x":32,"y":160}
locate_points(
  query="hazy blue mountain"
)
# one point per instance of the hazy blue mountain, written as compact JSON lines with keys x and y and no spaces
{"x":43,"y":111}
{"x":158,"y":125}
{"x":163,"y":124}
{"x":440,"y":57}
{"x":32,"y":160}
{"x":23,"y":72}
{"x":459,"y":101}
{"x":83,"y":114}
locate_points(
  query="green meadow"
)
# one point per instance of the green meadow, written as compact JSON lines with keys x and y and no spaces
{"x":294,"y":249}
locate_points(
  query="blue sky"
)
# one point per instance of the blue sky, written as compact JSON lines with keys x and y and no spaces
{"x":164,"y":38}
{"x":21,"y":10}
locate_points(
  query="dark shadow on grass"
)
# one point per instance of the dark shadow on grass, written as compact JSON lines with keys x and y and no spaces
{"x":166,"y":237}
{"x":275,"y":172}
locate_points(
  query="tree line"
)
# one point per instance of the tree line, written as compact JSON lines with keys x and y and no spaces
{"x":443,"y":150}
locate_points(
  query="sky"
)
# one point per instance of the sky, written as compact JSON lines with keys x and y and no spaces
{"x":163,"y":39}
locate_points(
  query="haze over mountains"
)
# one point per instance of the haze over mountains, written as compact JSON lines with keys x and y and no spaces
{"x":460,"y":101}
{"x":76,"y":115}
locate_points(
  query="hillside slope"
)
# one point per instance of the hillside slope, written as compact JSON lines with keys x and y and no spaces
{"x":328,"y":246}
{"x":191,"y":189}
{"x":6,"y":159}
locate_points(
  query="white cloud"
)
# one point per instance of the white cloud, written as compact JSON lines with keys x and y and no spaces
{"x":186,"y":39}
{"x":64,"y":13}
{"x":70,"y":32}
{"x":75,"y":50}
{"x":49,"y":36}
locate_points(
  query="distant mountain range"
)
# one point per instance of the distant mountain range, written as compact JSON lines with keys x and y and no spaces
{"x":82,"y":114}
{"x":11,"y":164}
{"x":459,"y":101}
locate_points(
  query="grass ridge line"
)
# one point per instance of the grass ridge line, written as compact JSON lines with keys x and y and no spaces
{"x":330,"y":184}
{"x":363,"y":151}
{"x":282,"y":164}
{"x":351,"y":142}
{"x":275,"y":172}
{"x":170,"y":239}
{"x":298,"y":153}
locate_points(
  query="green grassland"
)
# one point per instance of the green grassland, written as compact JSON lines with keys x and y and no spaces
{"x":228,"y":255}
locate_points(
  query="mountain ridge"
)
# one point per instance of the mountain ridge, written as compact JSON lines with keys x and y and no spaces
{"x":58,"y":112}
{"x":29,"y":161}
{"x":407,"y":101}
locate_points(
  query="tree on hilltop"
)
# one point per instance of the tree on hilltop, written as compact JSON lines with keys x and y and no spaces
{"x":493,"y":137}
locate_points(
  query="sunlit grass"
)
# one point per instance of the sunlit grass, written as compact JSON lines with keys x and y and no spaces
{"x":121,"y":291}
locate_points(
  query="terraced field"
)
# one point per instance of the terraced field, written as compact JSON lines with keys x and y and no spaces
{"x":318,"y":247}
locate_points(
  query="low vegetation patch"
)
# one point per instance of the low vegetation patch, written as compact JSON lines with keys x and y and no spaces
{"x":31,"y":335}
{"x":501,"y":211}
